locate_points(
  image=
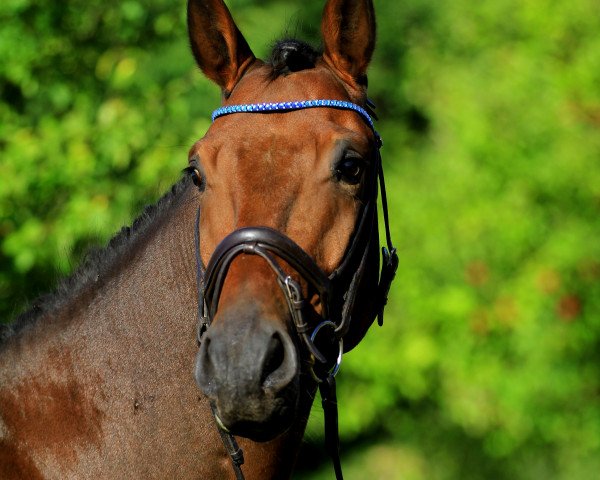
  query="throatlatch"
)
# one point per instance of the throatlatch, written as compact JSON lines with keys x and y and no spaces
{"x":272,"y":245}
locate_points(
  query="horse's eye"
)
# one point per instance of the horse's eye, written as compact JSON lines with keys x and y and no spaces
{"x":194,"y":169}
{"x":350,"y":169}
{"x":196,"y":177}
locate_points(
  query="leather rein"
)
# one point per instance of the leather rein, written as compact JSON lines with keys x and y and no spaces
{"x":337,"y":292}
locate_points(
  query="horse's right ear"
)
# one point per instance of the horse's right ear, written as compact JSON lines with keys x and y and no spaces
{"x":220,"y":49}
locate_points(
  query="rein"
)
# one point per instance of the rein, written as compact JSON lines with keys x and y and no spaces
{"x":337,"y":292}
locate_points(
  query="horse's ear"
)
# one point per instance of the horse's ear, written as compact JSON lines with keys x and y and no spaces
{"x":348,"y":29}
{"x":219,"y":47}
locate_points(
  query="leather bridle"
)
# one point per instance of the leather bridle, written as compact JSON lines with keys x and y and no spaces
{"x":337,"y":292}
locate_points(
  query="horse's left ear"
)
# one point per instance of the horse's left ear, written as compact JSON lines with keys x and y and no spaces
{"x":219,"y":47}
{"x":348,"y":29}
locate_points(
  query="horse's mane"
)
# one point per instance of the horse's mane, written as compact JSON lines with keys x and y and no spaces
{"x":97,"y":263}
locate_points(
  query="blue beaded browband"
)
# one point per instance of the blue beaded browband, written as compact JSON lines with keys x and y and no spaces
{"x":288,"y":106}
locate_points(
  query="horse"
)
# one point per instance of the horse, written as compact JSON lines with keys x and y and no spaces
{"x":265,"y":255}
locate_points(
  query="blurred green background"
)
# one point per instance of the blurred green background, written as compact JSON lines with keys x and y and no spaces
{"x":488,"y":366}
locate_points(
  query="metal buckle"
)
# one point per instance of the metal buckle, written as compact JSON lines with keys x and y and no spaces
{"x":292,"y":289}
{"x":336,"y":368}
{"x":203,"y":323}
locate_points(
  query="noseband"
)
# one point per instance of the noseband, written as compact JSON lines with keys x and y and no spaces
{"x":337,"y":292}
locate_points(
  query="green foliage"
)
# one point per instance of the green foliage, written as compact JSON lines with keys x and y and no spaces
{"x":488,"y":363}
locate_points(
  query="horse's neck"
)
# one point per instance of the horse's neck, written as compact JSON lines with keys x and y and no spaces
{"x":141,"y":301}
{"x":104,"y":387}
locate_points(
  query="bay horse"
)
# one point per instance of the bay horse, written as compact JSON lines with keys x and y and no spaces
{"x":266,"y":253}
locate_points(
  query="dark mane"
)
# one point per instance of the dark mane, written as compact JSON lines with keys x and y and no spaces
{"x":290,"y":55}
{"x":97,"y":263}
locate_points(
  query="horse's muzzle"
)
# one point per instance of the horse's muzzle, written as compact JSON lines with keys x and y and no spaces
{"x":248,"y":368}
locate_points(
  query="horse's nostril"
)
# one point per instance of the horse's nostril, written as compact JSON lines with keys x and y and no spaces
{"x":274,"y":358}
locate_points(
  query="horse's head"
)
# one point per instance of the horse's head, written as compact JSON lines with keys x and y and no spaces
{"x":309,"y":176}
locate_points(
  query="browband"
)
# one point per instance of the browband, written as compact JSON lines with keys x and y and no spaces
{"x":288,"y":106}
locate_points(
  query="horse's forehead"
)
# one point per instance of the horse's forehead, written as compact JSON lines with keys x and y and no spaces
{"x":294,"y":143}
{"x":296,"y":132}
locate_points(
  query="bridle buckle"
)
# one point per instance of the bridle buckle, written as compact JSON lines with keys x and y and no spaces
{"x":333,"y":371}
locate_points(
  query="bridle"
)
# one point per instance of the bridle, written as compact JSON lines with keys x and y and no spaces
{"x":337,"y":292}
